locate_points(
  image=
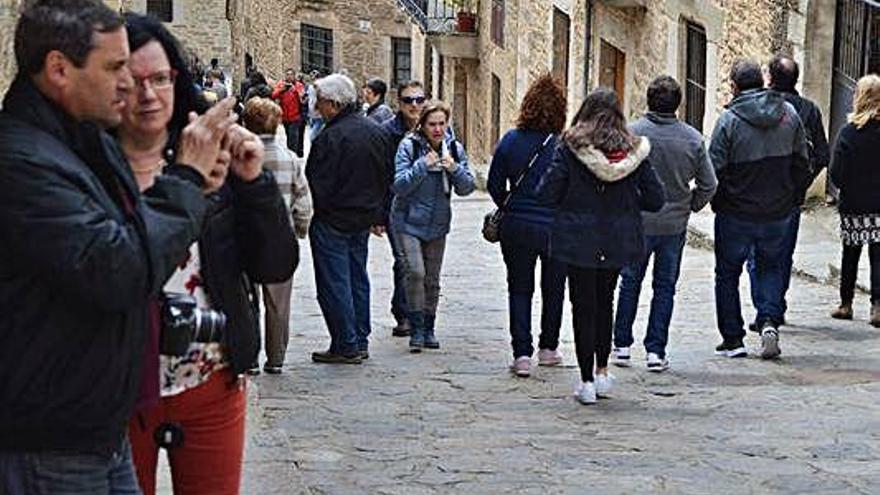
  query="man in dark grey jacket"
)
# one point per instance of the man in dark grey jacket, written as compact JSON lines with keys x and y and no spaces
{"x":783,"y":77}
{"x":679,"y":157}
{"x":759,"y":152}
{"x":82,"y":250}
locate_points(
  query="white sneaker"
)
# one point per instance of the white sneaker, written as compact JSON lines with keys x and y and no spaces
{"x":657,"y":364}
{"x":585,"y":393}
{"x":522,"y":366}
{"x":603,"y":384}
{"x":621,"y":356}
{"x":769,"y":342}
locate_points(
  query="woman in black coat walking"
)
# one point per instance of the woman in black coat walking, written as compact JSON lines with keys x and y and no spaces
{"x":599,"y":181}
{"x":854,"y":170}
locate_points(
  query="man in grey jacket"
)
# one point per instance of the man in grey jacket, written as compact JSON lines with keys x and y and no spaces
{"x":679,"y":157}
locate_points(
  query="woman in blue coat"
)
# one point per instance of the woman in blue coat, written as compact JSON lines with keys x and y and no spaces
{"x":525,"y":229}
{"x":429,"y":166}
{"x":599,"y":181}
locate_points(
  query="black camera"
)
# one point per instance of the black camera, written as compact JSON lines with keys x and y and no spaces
{"x":183,"y":323}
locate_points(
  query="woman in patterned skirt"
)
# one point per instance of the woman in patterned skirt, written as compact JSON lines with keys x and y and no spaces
{"x":856,"y":171}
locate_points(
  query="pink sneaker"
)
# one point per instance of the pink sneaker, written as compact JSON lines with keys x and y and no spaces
{"x":522,"y":366}
{"x":549,"y":357}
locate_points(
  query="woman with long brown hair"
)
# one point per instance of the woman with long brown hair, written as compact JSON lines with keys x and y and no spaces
{"x":520,"y":159}
{"x":600,"y":181}
{"x":855,"y":172}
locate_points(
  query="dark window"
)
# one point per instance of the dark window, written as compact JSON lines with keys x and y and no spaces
{"x":588,"y":45}
{"x":498,"y":22}
{"x":561,"y":26}
{"x":401,"y":60}
{"x":317,"y":49}
{"x":496,"y":109}
{"x":162,"y":9}
{"x":695,"y":75}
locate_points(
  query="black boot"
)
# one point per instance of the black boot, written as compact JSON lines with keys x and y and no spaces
{"x":417,"y":333}
{"x":430,"y":340}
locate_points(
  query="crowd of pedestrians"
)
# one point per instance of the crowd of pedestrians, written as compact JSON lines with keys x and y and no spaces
{"x":144,"y":224}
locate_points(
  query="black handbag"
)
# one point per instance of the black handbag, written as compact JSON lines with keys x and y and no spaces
{"x":492,"y":220}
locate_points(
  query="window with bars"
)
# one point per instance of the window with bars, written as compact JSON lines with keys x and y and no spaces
{"x":695,"y":75}
{"x":161,"y":9}
{"x":498,"y":22}
{"x":401,"y":60}
{"x":317,"y":49}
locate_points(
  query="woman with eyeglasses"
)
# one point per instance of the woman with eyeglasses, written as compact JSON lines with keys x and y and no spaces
{"x":193,"y":402}
{"x":429,"y":166}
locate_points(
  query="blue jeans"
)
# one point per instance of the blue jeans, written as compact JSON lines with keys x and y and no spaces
{"x":667,"y":251}
{"x":398,"y":300}
{"x":734,"y":240}
{"x":520,"y":260}
{"x":340,"y":261}
{"x":69,"y":473}
{"x":790,"y":243}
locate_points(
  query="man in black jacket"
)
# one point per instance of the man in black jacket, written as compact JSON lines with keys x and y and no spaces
{"x":349,"y":176}
{"x":783,"y":77}
{"x":82,"y":251}
{"x":759,"y":153}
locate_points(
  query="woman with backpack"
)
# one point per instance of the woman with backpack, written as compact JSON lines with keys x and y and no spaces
{"x":429,"y":166}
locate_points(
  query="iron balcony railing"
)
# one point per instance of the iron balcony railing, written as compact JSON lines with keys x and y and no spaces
{"x":443,"y":16}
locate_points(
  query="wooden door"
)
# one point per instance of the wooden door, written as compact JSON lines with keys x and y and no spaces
{"x":612,"y":69}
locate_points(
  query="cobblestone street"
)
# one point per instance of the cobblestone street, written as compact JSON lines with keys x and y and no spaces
{"x":456,"y":421}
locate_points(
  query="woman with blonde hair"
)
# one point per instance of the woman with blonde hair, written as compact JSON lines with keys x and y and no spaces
{"x":855,"y":171}
{"x":429,"y":166}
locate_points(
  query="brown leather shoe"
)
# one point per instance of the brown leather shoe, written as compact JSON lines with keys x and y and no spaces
{"x":843,"y":312}
{"x":334,"y":358}
{"x":875,"y":314}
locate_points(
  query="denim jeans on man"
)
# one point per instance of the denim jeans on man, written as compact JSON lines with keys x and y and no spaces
{"x":293,"y":142}
{"x":520,"y":259}
{"x":667,"y":253}
{"x":398,"y":299}
{"x":734,"y":240}
{"x":343,"y":286}
{"x":790,"y":242}
{"x":69,"y":473}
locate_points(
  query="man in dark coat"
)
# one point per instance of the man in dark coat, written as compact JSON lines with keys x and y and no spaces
{"x":410,"y":101}
{"x":783,"y":77}
{"x":82,"y":250}
{"x":759,"y":152}
{"x":349,"y":176}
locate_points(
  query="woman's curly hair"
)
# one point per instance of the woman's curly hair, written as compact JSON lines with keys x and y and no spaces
{"x":544,"y":106}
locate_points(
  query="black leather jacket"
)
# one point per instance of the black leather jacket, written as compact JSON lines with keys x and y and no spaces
{"x":81,"y":253}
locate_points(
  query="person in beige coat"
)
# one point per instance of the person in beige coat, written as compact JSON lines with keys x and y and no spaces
{"x":262,"y":116}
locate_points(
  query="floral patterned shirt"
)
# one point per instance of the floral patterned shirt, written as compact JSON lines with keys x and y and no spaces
{"x":179,"y":374}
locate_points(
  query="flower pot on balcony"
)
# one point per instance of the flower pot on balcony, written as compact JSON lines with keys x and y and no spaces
{"x":466,"y":22}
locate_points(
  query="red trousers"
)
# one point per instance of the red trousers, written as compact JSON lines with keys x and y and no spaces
{"x":212,"y":417}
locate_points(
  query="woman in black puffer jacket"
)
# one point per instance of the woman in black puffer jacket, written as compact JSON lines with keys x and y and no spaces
{"x":599,"y":181}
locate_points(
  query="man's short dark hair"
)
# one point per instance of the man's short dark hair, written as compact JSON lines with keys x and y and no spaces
{"x":664,"y":95}
{"x":784,"y":72}
{"x":409,"y":84}
{"x":377,"y":86}
{"x":746,"y":74}
{"x":64,"y":25}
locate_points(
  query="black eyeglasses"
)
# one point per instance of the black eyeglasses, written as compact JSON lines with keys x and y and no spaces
{"x":409,"y":100}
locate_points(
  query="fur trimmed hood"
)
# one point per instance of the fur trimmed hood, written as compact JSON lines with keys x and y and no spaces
{"x":611,"y":168}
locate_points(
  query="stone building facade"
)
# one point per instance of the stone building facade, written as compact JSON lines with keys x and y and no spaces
{"x":618,"y":43}
{"x":269,"y":33}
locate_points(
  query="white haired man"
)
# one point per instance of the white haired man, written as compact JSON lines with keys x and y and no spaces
{"x":349,"y":175}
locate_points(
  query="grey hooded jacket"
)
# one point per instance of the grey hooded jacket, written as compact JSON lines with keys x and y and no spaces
{"x":679,"y":157}
{"x":759,"y":151}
